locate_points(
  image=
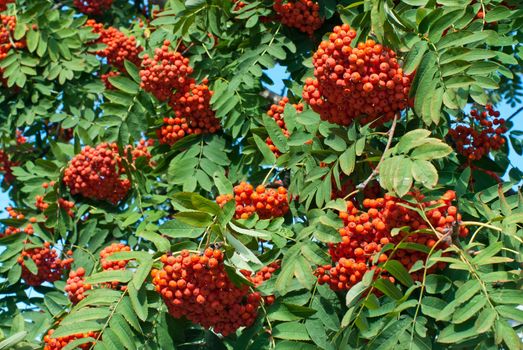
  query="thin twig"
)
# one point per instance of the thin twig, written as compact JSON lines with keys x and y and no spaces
{"x":515,"y":114}
{"x":377,"y":168}
{"x":268,"y":175}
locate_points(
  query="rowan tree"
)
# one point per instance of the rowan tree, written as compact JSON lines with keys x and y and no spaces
{"x":161,"y":197}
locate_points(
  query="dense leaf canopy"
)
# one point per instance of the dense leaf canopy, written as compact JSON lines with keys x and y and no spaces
{"x":161,"y":197}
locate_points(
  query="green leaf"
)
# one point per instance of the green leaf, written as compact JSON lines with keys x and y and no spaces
{"x":32,"y":40}
{"x":12,"y":340}
{"x":290,"y":331}
{"x":485,"y":320}
{"x":410,"y":140}
{"x":259,"y":234}
{"x":348,"y":160}
{"x":402,"y":181}
{"x":75,"y":344}
{"x":415,"y":56}
{"x":122,"y":330}
{"x":510,"y":313}
{"x":138,"y":301}
{"x":124,"y":84}
{"x":467,"y":291}
{"x":86,"y":314}
{"x":487,"y":252}
{"x":454,"y":334}
{"x":205,"y":205}
{"x":133,"y":71}
{"x":194,"y":218}
{"x":178,"y":229}
{"x":431,"y":150}
{"x":268,"y":156}
{"x":142,"y":272}
{"x":125,"y":308}
{"x":437,"y":284}
{"x":399,"y":272}
{"x":497,"y":13}
{"x":424,"y":172}
{"x":76,"y":328}
{"x":242,"y":250}
{"x":30,"y":265}
{"x":110,"y":276}
{"x":469,"y":309}
{"x":387,"y":288}
{"x":508,"y":335}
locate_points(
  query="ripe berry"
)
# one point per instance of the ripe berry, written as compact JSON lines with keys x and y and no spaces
{"x":49,"y":267}
{"x":93,"y":7}
{"x":482,"y":132}
{"x":62,"y":203}
{"x":303,"y":15}
{"x":7,"y":42}
{"x":75,"y":286}
{"x":61,"y":342}
{"x":3,"y":4}
{"x":119,"y":47}
{"x":105,"y":78}
{"x":164,"y":72}
{"x":108,"y":251}
{"x":276,"y":112}
{"x":192,"y":114}
{"x":11,"y":230}
{"x":366,"y":232}
{"x":98,"y":173}
{"x":267,"y":203}
{"x":364,"y":82}
{"x":196,"y":286}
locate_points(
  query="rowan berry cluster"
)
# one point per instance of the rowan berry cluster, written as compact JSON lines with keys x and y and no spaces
{"x":364,"y":82}
{"x":105,"y":78}
{"x":98,"y":173}
{"x":303,"y":15}
{"x":62,"y":203}
{"x":366,"y":232}
{"x":119,"y":47}
{"x":50,"y":267}
{"x":20,"y":138}
{"x":108,"y":251}
{"x":276,"y":113}
{"x":12,"y":230}
{"x":266,"y":202}
{"x":192,"y":114}
{"x":196,"y":286}
{"x":75,"y":286}
{"x":165,"y":71}
{"x":141,"y":150}
{"x":61,"y":342}
{"x":481,"y":135}
{"x":7,"y":28}
{"x":3,"y":4}
{"x":264,"y":274}
{"x":93,"y":7}
{"x":6,"y":167}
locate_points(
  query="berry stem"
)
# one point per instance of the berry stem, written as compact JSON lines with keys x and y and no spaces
{"x":376,"y":169}
{"x":268,"y":175}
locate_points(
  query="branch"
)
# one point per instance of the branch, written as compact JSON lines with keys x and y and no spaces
{"x":377,"y":168}
{"x":515,"y":113}
{"x":271,"y":96}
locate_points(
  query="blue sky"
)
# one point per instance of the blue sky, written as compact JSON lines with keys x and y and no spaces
{"x":279,"y":73}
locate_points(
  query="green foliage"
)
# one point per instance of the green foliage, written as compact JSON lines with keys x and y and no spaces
{"x":456,"y":58}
